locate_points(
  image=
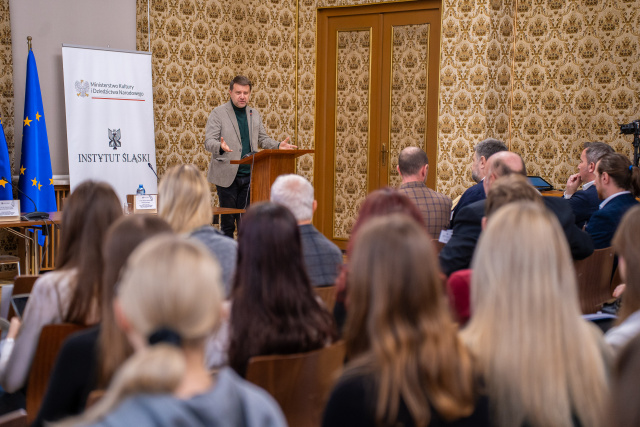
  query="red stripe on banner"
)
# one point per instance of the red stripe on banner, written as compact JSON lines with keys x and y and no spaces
{"x":119,"y":99}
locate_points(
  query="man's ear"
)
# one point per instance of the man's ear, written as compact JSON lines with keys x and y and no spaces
{"x":482,"y":161}
{"x":315,"y":206}
{"x":484,"y":222}
{"x":605,"y":178}
{"x":591,"y":167}
{"x":398,"y":169}
{"x":425,"y":171}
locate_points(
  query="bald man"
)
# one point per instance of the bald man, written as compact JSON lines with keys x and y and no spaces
{"x":458,"y":252}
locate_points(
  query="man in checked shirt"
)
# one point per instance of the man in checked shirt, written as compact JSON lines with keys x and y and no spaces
{"x":413,"y":167}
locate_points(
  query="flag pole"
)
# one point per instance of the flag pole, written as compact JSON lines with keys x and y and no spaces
{"x":29,"y":42}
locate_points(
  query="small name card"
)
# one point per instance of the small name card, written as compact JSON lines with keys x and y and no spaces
{"x":445,"y":236}
{"x":9,"y":210}
{"x":146,"y":202}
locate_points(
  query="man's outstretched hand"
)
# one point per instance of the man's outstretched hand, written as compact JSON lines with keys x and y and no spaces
{"x":284,"y":145}
{"x":224,"y":145}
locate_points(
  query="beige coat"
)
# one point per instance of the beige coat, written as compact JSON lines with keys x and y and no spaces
{"x":222,"y":123}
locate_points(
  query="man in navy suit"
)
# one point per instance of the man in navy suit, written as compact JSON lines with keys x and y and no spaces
{"x":483,"y":150}
{"x":585,"y":202}
{"x":618,"y":184}
{"x":458,"y":252}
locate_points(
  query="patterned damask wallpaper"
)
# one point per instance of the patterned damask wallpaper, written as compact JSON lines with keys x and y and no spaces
{"x":574,"y":74}
{"x":198,"y":47}
{"x":8,"y":243}
{"x":352,"y":128}
{"x":410,"y":56}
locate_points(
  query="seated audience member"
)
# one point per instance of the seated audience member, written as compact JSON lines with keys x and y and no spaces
{"x":626,"y":246}
{"x":618,"y":185}
{"x":383,"y":201}
{"x":88,"y":359}
{"x":543,"y":365}
{"x":71,"y":293}
{"x":482,"y":152}
{"x":322,"y":258}
{"x":585,"y":202}
{"x":168,"y":302}
{"x":458,"y":252}
{"x":274,"y":309}
{"x":185,"y":202}
{"x":624,"y":410}
{"x":413,"y":167}
{"x":510,"y":188}
{"x":407,"y":364}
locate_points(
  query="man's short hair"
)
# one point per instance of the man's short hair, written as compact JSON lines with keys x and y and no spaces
{"x":411,"y":160}
{"x":489,"y":147}
{"x":500,"y":168}
{"x":507,"y":189}
{"x":595,"y":151}
{"x":295,"y":193}
{"x":240,"y":81}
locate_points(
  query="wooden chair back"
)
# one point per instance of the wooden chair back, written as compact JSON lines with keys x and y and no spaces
{"x":327,"y":294}
{"x":300,"y":383}
{"x":49,"y":344}
{"x":22,"y":285}
{"x":594,"y":279}
{"x":17,"y":418}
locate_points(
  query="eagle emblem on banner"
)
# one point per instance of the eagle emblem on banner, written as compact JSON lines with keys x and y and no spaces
{"x":82,"y":88}
{"x":114,"y":138}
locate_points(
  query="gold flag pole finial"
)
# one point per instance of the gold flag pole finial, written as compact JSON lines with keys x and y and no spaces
{"x":29,"y":42}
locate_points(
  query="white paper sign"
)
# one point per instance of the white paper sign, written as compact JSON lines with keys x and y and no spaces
{"x":10,"y":208}
{"x":147,"y":202}
{"x":109,"y":108}
{"x":445,"y":236}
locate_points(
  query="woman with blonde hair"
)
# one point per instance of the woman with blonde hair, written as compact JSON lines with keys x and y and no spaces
{"x":168,"y":302}
{"x":408,"y":366}
{"x":184,"y":197}
{"x":543,"y":365}
{"x":625,"y":244}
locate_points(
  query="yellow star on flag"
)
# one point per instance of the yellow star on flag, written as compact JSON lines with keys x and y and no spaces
{"x":38,"y":116}
{"x":3,"y":182}
{"x":34,"y":182}
{"x":50,"y":181}
{"x":22,"y":169}
{"x":39,"y":185}
{"x":27,"y":121}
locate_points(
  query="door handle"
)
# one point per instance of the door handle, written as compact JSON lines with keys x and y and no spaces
{"x":384,"y":154}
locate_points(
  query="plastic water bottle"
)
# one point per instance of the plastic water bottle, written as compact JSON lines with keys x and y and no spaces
{"x":140,"y":190}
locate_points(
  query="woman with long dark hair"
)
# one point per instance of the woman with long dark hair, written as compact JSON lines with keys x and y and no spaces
{"x":274,"y":310}
{"x":72,"y":292}
{"x":407,"y":365}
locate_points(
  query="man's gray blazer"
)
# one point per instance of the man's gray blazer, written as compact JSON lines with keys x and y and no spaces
{"x":222,"y":122}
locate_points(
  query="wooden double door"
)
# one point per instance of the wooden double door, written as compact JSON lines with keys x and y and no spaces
{"x":377,"y":93}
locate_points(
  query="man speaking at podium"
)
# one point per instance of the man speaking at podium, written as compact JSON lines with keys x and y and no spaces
{"x":234,"y":130}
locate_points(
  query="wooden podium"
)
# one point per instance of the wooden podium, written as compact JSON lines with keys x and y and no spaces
{"x":267,"y":166}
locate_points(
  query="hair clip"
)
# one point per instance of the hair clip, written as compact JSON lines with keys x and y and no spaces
{"x":165,"y":335}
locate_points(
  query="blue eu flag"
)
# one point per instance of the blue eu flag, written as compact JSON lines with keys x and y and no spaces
{"x":6,"y":191}
{"x":36,"y":178}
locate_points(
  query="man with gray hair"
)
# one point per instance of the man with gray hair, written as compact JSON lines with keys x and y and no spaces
{"x":413,"y":167}
{"x":585,"y":202}
{"x":322,"y":257}
{"x":482,"y":151}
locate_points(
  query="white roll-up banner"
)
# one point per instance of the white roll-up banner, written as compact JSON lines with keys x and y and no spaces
{"x":109,"y":107}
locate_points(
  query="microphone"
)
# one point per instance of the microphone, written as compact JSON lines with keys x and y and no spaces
{"x":31,"y":216}
{"x":250,"y":153}
{"x":154,"y":172}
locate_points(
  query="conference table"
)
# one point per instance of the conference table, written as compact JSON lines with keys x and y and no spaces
{"x":26,"y":230}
